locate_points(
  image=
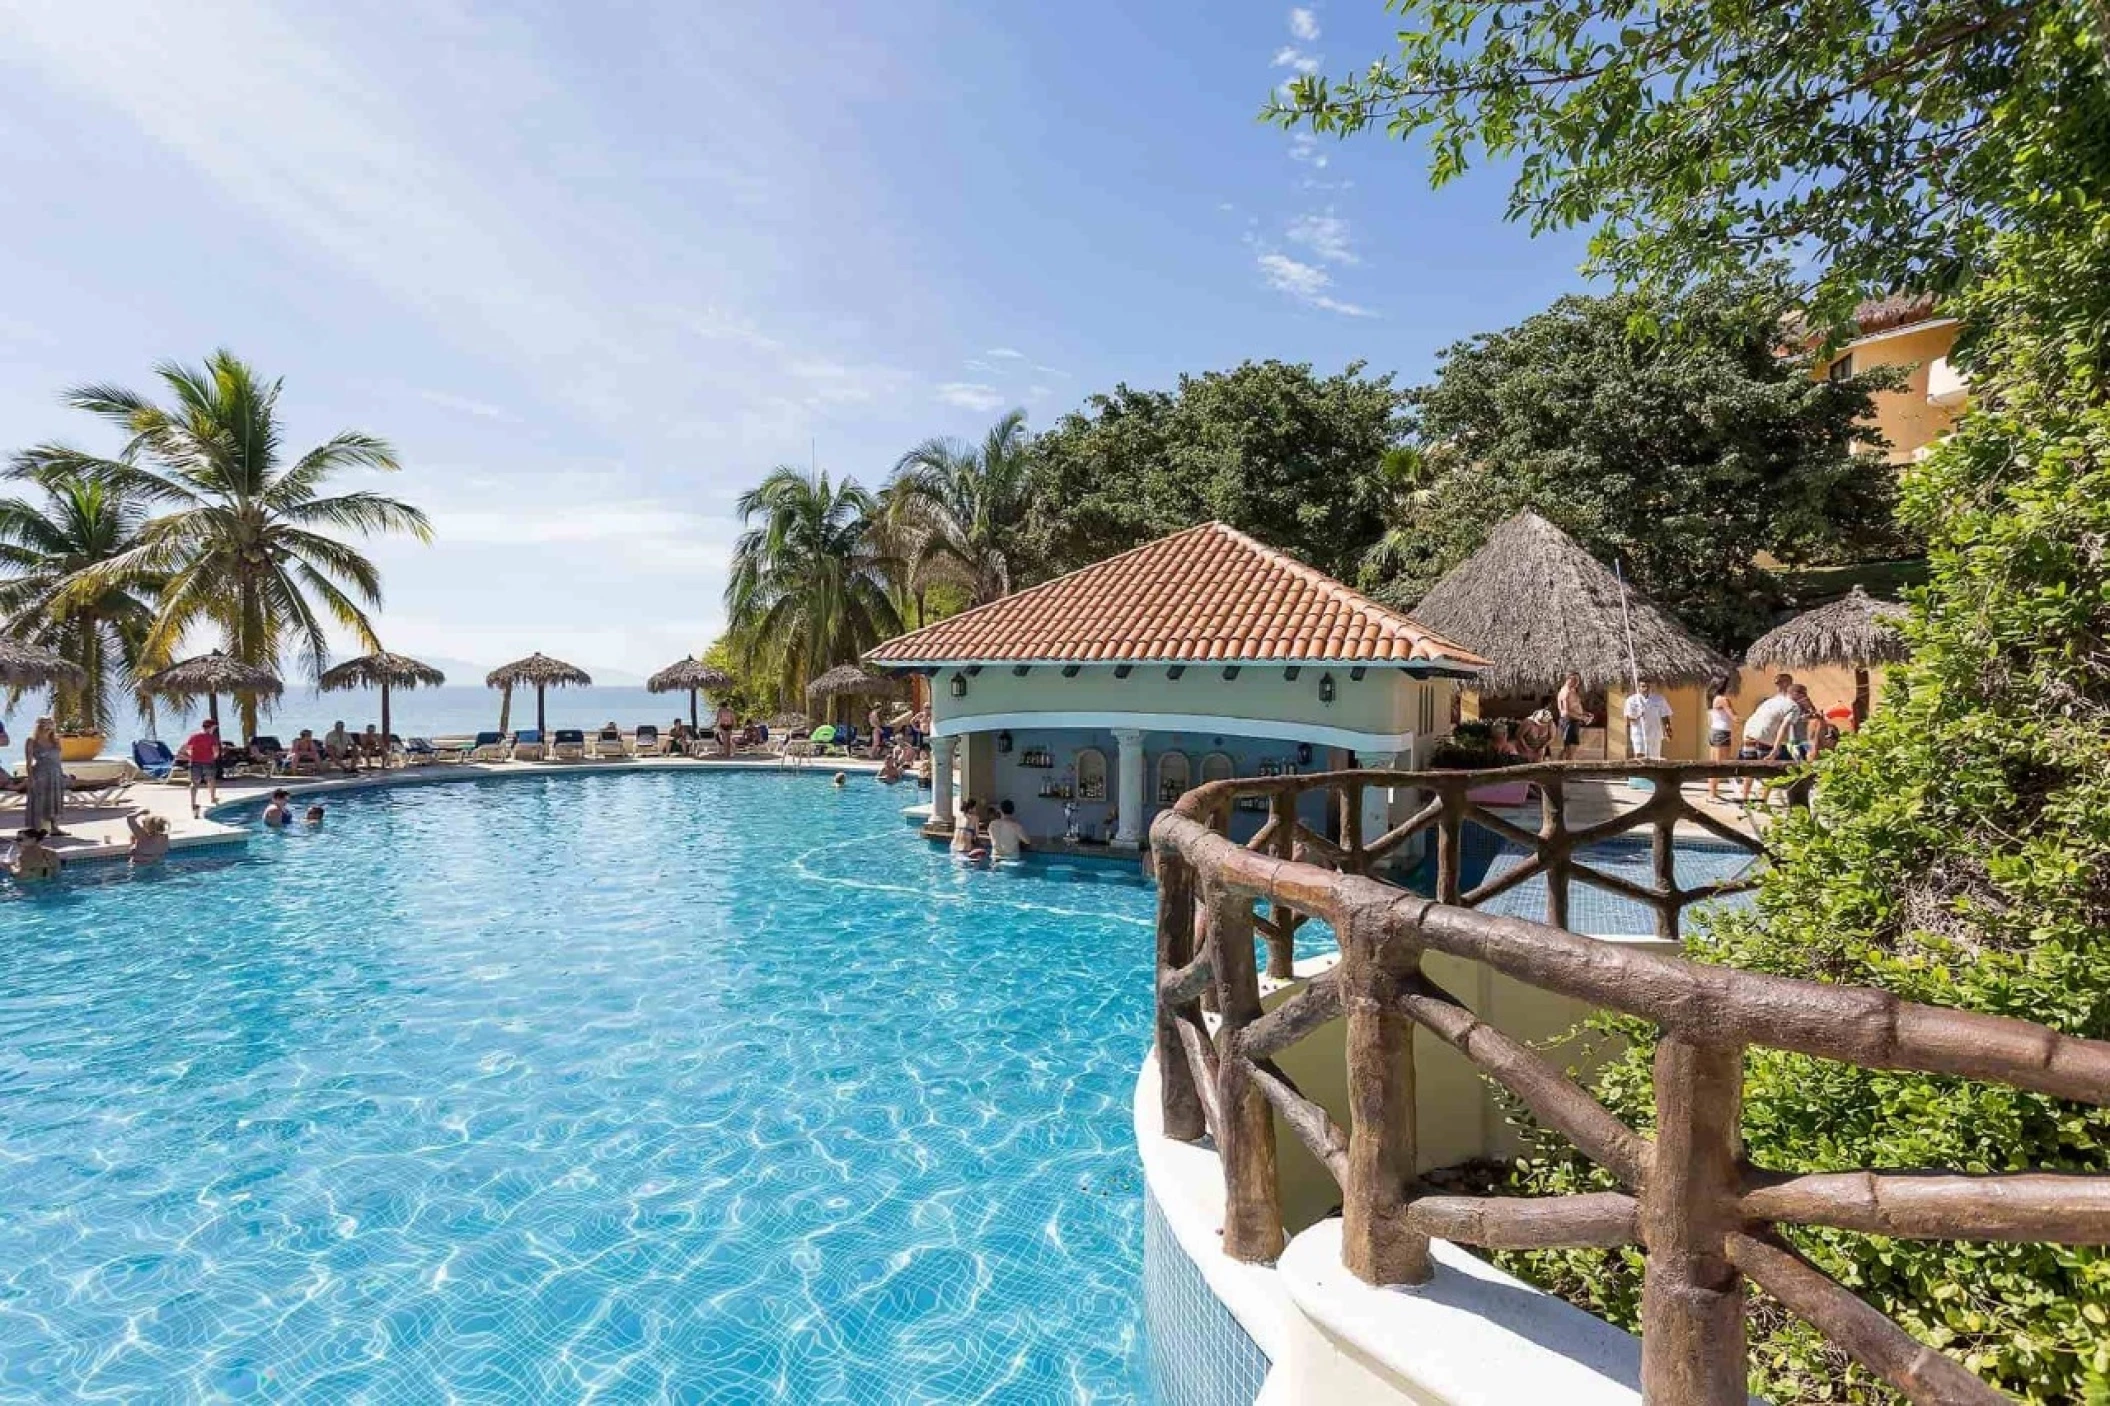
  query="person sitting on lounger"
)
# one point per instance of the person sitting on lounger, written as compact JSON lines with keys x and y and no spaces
{"x":279,"y":813}
{"x":339,"y":746}
{"x":372,"y":749}
{"x":150,"y":837}
{"x":33,"y":859}
{"x":307,"y":756}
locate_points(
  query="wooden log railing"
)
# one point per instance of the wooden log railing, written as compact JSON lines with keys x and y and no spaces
{"x":1705,"y":1216}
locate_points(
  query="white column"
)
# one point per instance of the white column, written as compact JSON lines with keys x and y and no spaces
{"x":942,"y":813}
{"x":1129,"y":833}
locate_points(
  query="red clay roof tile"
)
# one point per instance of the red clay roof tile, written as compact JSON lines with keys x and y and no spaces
{"x":1208,"y":593}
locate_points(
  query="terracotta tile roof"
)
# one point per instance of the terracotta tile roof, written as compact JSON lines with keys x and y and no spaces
{"x":1209,"y":593}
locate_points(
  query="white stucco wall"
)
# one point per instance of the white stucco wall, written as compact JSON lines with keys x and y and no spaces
{"x":1386,"y":703}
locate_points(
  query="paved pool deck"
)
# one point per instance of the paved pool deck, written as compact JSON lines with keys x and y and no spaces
{"x":100,"y":832}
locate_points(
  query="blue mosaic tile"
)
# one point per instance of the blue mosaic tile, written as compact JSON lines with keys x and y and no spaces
{"x":1199,"y":1354}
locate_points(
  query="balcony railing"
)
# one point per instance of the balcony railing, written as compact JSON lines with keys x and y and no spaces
{"x":1704,"y":1214}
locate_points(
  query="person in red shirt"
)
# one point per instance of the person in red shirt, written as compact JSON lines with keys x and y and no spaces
{"x":202,"y":751}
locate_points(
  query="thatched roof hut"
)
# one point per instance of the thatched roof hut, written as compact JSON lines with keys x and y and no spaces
{"x":852,"y":680}
{"x":1536,"y":604}
{"x":689,"y":676}
{"x":208,"y":676}
{"x":24,"y":665}
{"x":1856,"y":631}
{"x":384,"y":671}
{"x":544,"y":673}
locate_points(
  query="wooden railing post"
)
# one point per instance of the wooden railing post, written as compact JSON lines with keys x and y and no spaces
{"x":1692,"y":1298}
{"x":1178,"y":1100}
{"x":1664,"y":855}
{"x":1376,"y":1244}
{"x":1555,"y":847}
{"x":1246,"y":1137}
{"x":1282,"y":938}
{"x":1450,"y":844}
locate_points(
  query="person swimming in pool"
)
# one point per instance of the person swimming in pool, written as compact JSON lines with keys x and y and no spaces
{"x":33,"y":859}
{"x":279,"y":813}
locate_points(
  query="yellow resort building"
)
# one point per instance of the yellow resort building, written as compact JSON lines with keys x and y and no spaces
{"x":1094,"y":700}
{"x":1904,"y":331}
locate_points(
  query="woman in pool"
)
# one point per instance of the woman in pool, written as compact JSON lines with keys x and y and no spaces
{"x":150,"y":837}
{"x":890,"y":769}
{"x":279,"y":813}
{"x":33,"y":859}
{"x":47,"y":777}
{"x":967,"y":832}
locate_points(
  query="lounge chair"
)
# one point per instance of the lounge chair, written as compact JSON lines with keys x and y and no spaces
{"x":488,"y":747}
{"x":646,"y":741}
{"x":528,"y":745}
{"x":419,"y":751}
{"x":265,"y":752}
{"x":568,"y":744}
{"x":154,"y":759}
{"x":97,"y":792}
{"x":608,"y":746}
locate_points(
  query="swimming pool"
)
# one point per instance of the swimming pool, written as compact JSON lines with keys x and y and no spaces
{"x":706,"y":1088}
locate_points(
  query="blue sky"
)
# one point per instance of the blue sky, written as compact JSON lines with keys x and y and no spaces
{"x":594,"y":269}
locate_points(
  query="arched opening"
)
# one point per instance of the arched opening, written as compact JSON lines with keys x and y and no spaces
{"x":1217,"y":766}
{"x":1091,"y":774}
{"x":1175,"y":777}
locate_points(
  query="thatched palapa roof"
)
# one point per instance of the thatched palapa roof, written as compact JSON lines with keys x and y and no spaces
{"x":213,"y":674}
{"x":850,"y":679}
{"x":375,"y":670}
{"x":24,"y":665}
{"x":686,"y":676}
{"x":1857,"y":631}
{"x":1538,"y":605}
{"x":538,"y":671}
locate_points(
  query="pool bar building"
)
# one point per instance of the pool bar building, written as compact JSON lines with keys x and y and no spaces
{"x":1095,"y":700}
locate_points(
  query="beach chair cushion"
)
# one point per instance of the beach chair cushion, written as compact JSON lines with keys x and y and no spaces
{"x":153,"y":758}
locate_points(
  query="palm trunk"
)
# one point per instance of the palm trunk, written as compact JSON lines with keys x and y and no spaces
{"x":505,"y":709}
{"x":384,"y":724}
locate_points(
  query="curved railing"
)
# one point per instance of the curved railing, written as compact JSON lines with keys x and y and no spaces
{"x":1702,"y":1212}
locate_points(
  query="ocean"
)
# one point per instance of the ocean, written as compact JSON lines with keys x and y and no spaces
{"x":424,"y":712}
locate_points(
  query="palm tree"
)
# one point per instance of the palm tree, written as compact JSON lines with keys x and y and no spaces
{"x":47,"y":549}
{"x":809,"y":578}
{"x":246,"y":548}
{"x":1407,"y":479}
{"x":959,"y":508}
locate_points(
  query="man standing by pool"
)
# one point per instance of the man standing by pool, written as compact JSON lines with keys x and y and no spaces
{"x":201,"y":755}
{"x":1574,"y":717}
{"x":725,"y":722}
{"x":1647,"y":722}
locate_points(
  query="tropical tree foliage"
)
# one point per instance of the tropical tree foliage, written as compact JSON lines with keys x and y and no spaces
{"x":810,"y":578}
{"x":959,"y":510}
{"x":1271,"y":448}
{"x":53,"y":548}
{"x":1683,"y":457}
{"x":1962,"y":850}
{"x":245,"y":546}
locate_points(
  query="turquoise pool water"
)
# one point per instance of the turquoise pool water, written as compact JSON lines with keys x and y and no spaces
{"x":703,"y":1088}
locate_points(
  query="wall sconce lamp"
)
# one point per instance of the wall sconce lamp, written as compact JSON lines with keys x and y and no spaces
{"x":1303,"y":754}
{"x":1326,"y":688}
{"x":1003,"y":742}
{"x":958,"y":687}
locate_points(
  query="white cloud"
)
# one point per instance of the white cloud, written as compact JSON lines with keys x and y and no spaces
{"x":1304,"y":148}
{"x":1039,"y":392}
{"x":479,"y":408}
{"x":1326,"y":236}
{"x":1051,"y":371}
{"x":1006,"y":353}
{"x":971,"y":395}
{"x":1289,"y":56}
{"x":1304,"y":24}
{"x":1307,"y":283}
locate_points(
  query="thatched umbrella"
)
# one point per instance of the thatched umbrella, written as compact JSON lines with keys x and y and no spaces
{"x":208,"y":676}
{"x":24,"y":665}
{"x":544,"y":673}
{"x":851,"y":681}
{"x":1856,"y":631}
{"x":1538,"y":606}
{"x":689,"y":675}
{"x":384,"y":671}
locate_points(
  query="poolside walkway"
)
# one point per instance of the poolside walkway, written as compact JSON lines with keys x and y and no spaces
{"x":100,"y":832}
